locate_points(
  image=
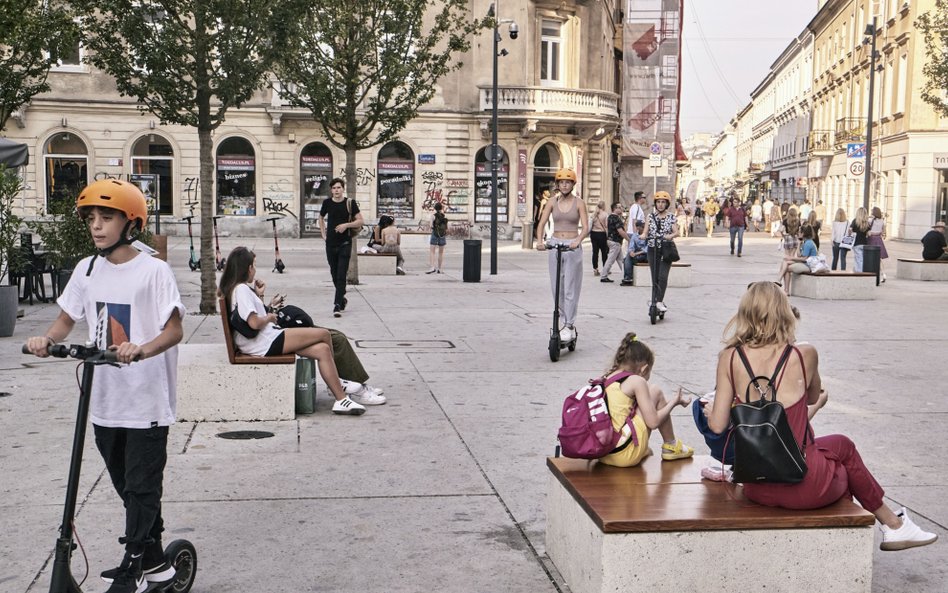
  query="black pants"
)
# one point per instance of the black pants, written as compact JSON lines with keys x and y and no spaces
{"x":338,"y":257}
{"x":600,"y":245}
{"x":659,"y":271}
{"x":135,"y":459}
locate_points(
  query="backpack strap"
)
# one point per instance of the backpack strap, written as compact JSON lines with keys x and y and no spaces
{"x":773,"y":381}
{"x":633,"y":437}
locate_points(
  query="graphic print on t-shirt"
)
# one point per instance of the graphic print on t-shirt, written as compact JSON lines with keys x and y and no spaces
{"x":113,"y":324}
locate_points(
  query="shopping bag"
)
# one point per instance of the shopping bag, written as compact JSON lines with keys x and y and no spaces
{"x":305,"y":385}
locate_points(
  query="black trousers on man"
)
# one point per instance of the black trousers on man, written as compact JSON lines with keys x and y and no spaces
{"x":338,"y":256}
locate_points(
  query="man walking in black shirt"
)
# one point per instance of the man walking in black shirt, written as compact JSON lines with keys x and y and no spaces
{"x":339,"y":215}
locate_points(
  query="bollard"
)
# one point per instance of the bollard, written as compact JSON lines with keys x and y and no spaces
{"x":472,"y":260}
{"x":527,"y":238}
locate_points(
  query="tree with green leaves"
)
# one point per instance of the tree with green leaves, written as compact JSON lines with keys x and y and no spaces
{"x":365,"y":67}
{"x":188,"y":62}
{"x":934,"y":27}
{"x":33,"y":34}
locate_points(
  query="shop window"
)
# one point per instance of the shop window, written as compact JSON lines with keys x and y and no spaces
{"x":66,"y":169}
{"x":483,"y":177}
{"x":396,"y":181}
{"x":315,"y":174}
{"x":236,"y":178}
{"x":153,"y":171}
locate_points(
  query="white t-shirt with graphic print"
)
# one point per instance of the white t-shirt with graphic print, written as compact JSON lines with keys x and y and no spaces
{"x":129,"y":302}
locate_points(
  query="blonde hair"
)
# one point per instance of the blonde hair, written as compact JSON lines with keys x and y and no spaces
{"x":793,"y":222}
{"x":862,"y":220}
{"x":764,"y":317}
{"x":811,"y":219}
{"x":631,"y":355}
{"x":840,"y":215}
{"x":601,"y":205}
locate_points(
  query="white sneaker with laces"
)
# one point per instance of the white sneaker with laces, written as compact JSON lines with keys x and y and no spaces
{"x":909,"y":535}
{"x":661,"y":306}
{"x":348,"y":407}
{"x":566,"y":335}
{"x":367,"y":397}
{"x":353,"y":387}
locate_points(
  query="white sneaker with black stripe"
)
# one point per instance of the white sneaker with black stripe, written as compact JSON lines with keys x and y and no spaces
{"x":348,"y":407}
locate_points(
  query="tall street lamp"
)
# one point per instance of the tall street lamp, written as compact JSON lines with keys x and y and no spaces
{"x":871,"y":32}
{"x":495,"y":152}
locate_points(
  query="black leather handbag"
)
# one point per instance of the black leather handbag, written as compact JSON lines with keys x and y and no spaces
{"x":670,"y":252}
{"x":765,"y":449}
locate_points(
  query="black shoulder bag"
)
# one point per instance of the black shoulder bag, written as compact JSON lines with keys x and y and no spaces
{"x":667,"y":248}
{"x":240,"y":325}
{"x":765,"y":450}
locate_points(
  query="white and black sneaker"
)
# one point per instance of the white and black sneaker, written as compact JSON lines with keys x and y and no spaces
{"x":128,"y":577}
{"x":348,"y":407}
{"x":155,"y":567}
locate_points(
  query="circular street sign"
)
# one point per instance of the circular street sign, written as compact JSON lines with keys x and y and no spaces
{"x":857,"y":168}
{"x":489,"y":152}
{"x":655,"y":148}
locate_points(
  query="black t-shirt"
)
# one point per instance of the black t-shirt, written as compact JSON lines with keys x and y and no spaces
{"x":337,"y":213}
{"x":933,"y":244}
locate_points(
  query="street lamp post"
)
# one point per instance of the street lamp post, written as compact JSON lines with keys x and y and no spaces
{"x":867,"y":183}
{"x":495,"y":152}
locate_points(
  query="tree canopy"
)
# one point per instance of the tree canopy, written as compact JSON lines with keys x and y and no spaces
{"x":934,"y":27}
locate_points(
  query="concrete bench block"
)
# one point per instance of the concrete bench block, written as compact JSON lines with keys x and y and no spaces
{"x":213,"y":390}
{"x":838,"y":286}
{"x":917,"y":269}
{"x":678,"y":277}
{"x":378,"y":264}
{"x":592,"y":561}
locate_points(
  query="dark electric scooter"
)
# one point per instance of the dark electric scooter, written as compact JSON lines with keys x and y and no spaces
{"x":194,"y":263}
{"x":219,"y":259}
{"x":654,"y":314}
{"x":555,"y":343}
{"x":278,"y":265}
{"x":179,"y":553}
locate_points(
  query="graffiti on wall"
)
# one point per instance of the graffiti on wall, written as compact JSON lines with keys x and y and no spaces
{"x":278,"y":199}
{"x":433,"y":182}
{"x":364,"y":176}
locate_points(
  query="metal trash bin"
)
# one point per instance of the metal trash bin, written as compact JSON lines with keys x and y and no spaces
{"x":872,"y":260}
{"x":527,"y":238}
{"x":472,"y":260}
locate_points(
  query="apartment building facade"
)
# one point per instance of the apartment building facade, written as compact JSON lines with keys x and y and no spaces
{"x":558,"y":105}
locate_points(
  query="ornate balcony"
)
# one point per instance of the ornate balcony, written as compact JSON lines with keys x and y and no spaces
{"x":598,"y":105}
{"x":850,"y":129}
{"x":821,"y":143}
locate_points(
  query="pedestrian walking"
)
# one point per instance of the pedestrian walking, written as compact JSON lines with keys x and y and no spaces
{"x":615,"y":234}
{"x":840,"y":230}
{"x":598,"y":236}
{"x":710,"y":209}
{"x":339,"y":217}
{"x":737,"y":223}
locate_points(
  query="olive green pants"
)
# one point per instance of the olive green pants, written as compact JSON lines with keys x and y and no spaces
{"x":347,"y":362}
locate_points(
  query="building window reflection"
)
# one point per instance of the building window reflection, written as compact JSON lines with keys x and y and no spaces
{"x":66,"y":171}
{"x":152,"y":155}
{"x":236,"y":178}
{"x":315,"y":174}
{"x":396,"y":181}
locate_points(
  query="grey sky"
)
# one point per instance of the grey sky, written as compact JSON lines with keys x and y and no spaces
{"x":744,"y":37}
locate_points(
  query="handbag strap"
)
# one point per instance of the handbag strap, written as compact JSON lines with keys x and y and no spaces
{"x":774,"y":382}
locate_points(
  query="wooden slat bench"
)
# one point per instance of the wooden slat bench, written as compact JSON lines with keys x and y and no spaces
{"x":923,"y":269}
{"x":660,"y":528}
{"x":236,"y":357}
{"x":377,"y":264}
{"x":835,"y":286}
{"x":678,"y":277}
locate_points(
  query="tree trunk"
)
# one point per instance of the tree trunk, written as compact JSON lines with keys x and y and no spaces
{"x":205,"y":189}
{"x":352,"y":277}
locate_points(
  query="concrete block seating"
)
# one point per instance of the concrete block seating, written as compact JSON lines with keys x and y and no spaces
{"x":835,"y":286}
{"x":248,"y":388}
{"x":921,"y":269}
{"x":678,"y":277}
{"x":377,"y":264}
{"x":660,"y":528}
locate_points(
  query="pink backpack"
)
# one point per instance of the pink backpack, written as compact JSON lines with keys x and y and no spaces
{"x":587,"y":432}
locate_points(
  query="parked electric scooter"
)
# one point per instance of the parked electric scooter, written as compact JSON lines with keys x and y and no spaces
{"x":179,"y":553}
{"x":555,"y":343}
{"x":194,"y":263}
{"x":219,"y":259}
{"x":278,"y":265}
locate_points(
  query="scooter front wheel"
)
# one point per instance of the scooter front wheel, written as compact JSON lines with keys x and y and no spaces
{"x":554,"y":348}
{"x":183,"y":557}
{"x":194,"y":265}
{"x":653,"y":314}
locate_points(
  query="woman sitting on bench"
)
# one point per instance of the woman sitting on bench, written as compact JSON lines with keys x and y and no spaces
{"x":243,"y":292}
{"x":763,"y":328}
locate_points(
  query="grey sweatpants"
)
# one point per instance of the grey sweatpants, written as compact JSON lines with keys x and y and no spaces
{"x":571,"y":280}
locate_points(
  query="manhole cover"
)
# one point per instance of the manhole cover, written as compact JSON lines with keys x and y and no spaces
{"x":245,"y":435}
{"x":406,"y":344}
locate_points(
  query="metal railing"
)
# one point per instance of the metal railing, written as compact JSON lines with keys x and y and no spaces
{"x":850,"y":129}
{"x":821,"y":141}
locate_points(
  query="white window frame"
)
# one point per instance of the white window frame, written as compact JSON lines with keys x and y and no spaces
{"x":551,"y":46}
{"x":79,"y":66}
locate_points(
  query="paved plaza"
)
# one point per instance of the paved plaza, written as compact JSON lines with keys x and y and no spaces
{"x":442,"y":489}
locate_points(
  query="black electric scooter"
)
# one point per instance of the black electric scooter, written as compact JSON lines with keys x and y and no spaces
{"x":555,"y":343}
{"x":654,"y":314}
{"x":194,"y":262}
{"x":179,"y":553}
{"x":278,"y":265}
{"x":219,"y":259}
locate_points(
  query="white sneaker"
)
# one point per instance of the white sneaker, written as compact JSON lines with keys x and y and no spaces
{"x":368,"y":397}
{"x":347,"y":406}
{"x":661,"y":306}
{"x":909,"y":535}
{"x":566,"y":335}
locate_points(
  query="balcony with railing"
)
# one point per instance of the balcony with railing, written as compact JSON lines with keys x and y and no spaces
{"x":596,"y":104}
{"x":820,"y":143}
{"x":850,"y":129}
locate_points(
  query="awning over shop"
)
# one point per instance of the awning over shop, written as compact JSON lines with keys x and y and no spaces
{"x":13,"y":154}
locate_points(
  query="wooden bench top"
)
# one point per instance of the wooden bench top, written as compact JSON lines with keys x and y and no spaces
{"x":838,"y":274}
{"x":379,"y":253}
{"x":236,"y":357}
{"x":672,"y":496}
{"x":923,"y":261}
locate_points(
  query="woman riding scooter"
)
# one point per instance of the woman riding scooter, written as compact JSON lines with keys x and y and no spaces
{"x":659,"y":227}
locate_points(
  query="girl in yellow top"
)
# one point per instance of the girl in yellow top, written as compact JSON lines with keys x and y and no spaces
{"x":646,"y":403}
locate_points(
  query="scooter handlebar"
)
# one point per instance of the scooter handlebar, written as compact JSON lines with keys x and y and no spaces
{"x":559,"y":246}
{"x":77,"y":351}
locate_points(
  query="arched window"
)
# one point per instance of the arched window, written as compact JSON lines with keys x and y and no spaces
{"x":483,"y":177}
{"x":315,"y":173}
{"x":153,"y":171}
{"x":396,"y":181}
{"x":66,"y":163}
{"x":236,"y":178}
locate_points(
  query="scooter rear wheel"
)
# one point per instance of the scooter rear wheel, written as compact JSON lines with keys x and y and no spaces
{"x":554,"y":348}
{"x":182,"y":555}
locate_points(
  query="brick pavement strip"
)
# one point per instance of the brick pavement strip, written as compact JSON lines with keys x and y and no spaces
{"x":443,"y":487}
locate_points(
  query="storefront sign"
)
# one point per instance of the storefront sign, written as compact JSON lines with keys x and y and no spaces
{"x":941,"y":160}
{"x":316,"y":162}
{"x":232,"y":164}
{"x":457,"y":183}
{"x":522,"y":183}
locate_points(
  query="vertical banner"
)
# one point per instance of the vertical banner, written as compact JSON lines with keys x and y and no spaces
{"x":521,"y":183}
{"x":650,"y":66}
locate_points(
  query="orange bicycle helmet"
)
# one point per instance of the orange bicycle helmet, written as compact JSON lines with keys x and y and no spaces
{"x":118,"y":195}
{"x":662,"y":195}
{"x":566,"y":175}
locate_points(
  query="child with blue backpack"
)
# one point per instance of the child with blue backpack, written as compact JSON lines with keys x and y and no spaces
{"x":632,"y":396}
